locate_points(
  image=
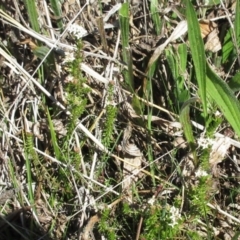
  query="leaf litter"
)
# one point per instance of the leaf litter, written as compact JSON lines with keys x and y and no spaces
{"x":132,"y":174}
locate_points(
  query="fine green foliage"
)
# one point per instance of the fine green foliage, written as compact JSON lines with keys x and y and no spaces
{"x":76,"y":95}
{"x":30,"y":155}
{"x":197,"y":51}
{"x":83,"y":163}
{"x":76,"y":91}
{"x":159,"y":224}
{"x":199,"y":197}
{"x":111,"y":112}
{"x":107,"y":225}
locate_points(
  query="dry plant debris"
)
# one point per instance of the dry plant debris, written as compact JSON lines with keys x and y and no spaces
{"x":87,"y":154}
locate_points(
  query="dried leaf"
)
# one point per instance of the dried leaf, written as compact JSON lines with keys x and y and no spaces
{"x":31,"y":44}
{"x":213,"y":43}
{"x":132,"y":163}
{"x":219,"y":150}
{"x":209,"y":30}
{"x":206,"y":27}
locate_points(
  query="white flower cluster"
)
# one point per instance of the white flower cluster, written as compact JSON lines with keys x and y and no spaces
{"x":175,"y":215}
{"x":201,"y":173}
{"x":205,"y":142}
{"x":77,"y":30}
{"x":69,"y":57}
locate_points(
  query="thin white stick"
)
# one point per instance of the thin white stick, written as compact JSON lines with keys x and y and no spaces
{"x":223,"y":212}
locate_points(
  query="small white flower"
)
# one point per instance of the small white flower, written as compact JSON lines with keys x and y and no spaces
{"x":69,"y":57}
{"x":69,"y":79}
{"x":152,"y":201}
{"x":175,"y":215}
{"x":77,"y":30}
{"x":201,"y":173}
{"x":205,"y":142}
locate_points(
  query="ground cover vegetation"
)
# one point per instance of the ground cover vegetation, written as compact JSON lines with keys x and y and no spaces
{"x":119,"y":120}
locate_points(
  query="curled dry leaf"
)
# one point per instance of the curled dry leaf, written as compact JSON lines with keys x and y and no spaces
{"x":209,"y":30}
{"x":88,"y":230}
{"x":206,"y":27}
{"x":133,"y":158}
{"x":219,"y":151}
{"x":213,"y":43}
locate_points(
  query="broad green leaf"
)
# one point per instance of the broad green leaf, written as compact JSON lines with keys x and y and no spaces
{"x":187,"y":127}
{"x":124,"y":23}
{"x":224,"y":98}
{"x":198,"y":54}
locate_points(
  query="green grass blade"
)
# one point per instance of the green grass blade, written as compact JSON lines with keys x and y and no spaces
{"x":171,"y":62}
{"x":56,"y":7}
{"x":155,"y":16}
{"x":124,"y":23}
{"x":237,"y":23}
{"x":33,"y":14}
{"x":224,"y":98}
{"x":187,"y":127}
{"x":127,"y":56}
{"x":177,"y":61}
{"x":41,"y":52}
{"x":227,"y":48}
{"x":182,"y":53}
{"x":53,"y":137}
{"x":198,"y":54}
